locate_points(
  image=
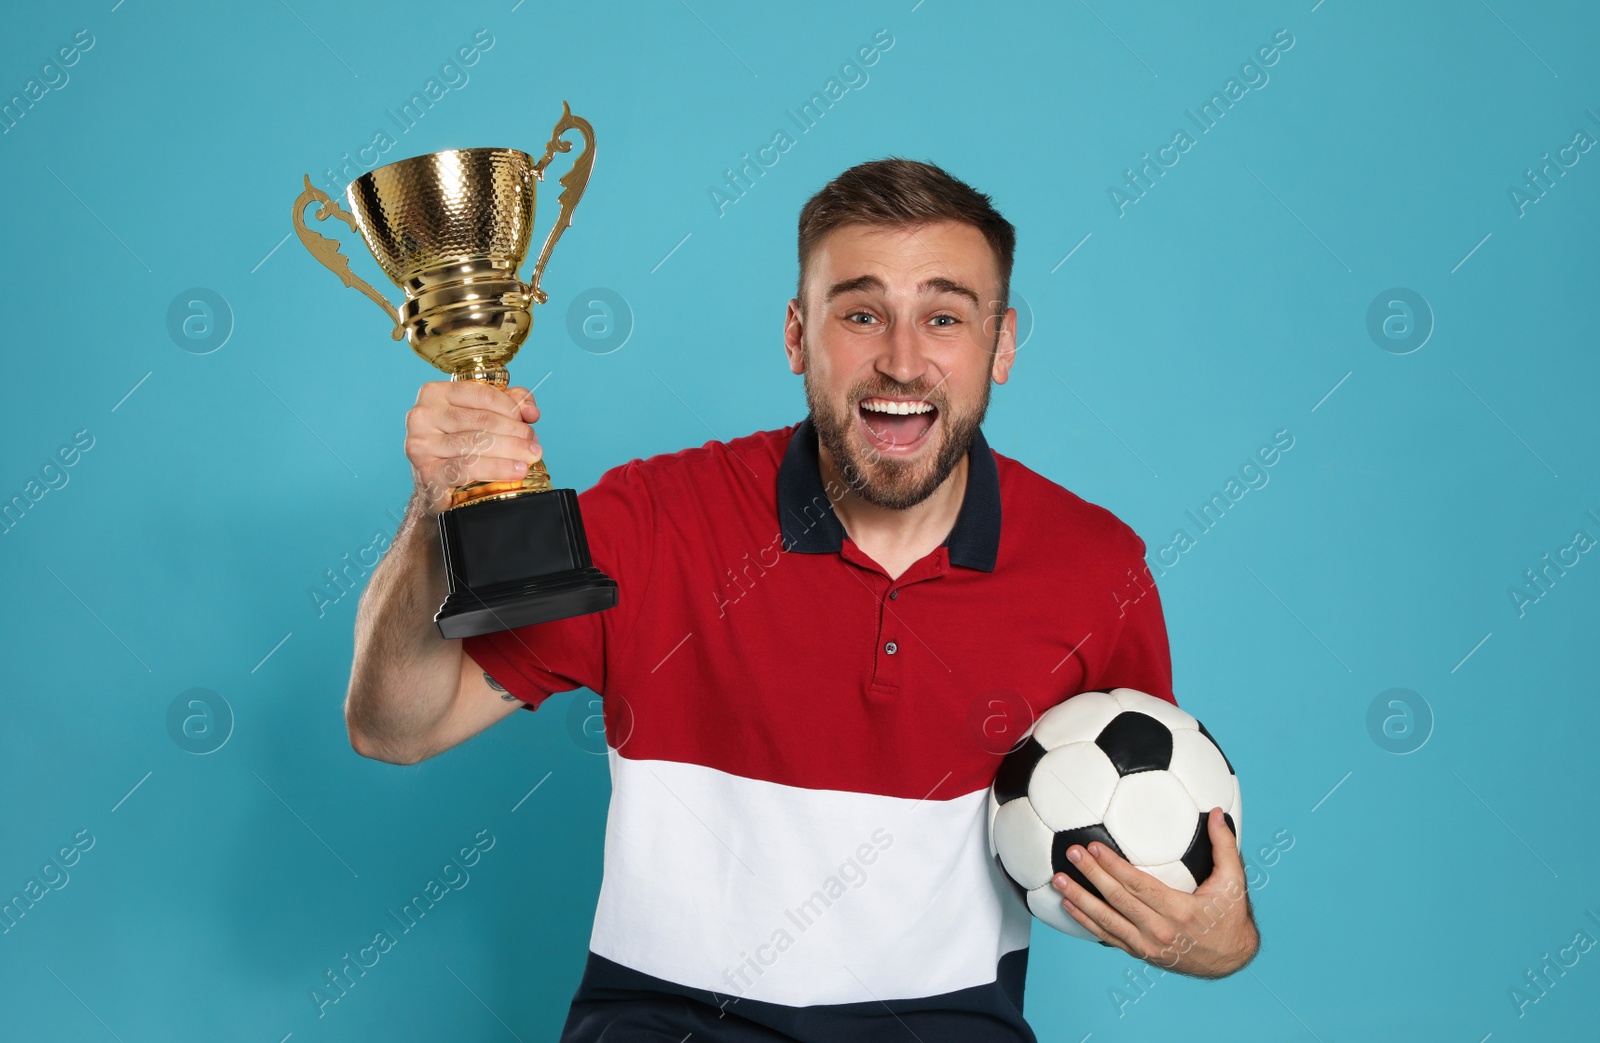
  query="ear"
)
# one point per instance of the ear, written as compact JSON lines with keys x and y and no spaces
{"x":793,"y":332}
{"x":1005,"y":352}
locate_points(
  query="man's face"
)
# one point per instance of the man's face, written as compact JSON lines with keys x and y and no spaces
{"x":898,"y":339}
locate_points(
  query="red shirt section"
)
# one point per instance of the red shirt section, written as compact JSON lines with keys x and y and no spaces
{"x":752,"y":636}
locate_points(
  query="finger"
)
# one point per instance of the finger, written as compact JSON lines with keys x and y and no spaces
{"x":457,"y":419}
{"x":468,"y":394}
{"x":1227,"y":864}
{"x":452,"y":474}
{"x":437,"y":470}
{"x":1115,"y":894}
{"x":1087,"y":923}
{"x":1140,"y":885}
{"x":466,"y":447}
{"x":1110,"y":919}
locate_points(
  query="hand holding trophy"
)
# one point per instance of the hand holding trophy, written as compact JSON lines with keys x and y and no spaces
{"x":451,"y":229}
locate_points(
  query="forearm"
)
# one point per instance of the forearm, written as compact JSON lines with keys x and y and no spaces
{"x":404,"y":676}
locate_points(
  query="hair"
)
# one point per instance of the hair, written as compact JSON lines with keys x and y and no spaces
{"x":899,"y":192}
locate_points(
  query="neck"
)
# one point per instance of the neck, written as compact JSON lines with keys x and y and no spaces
{"x":896,"y":539}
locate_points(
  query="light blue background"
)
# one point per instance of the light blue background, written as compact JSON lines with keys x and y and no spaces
{"x":1227,"y":304}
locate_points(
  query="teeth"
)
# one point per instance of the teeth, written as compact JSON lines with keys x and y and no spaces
{"x":882,"y":405}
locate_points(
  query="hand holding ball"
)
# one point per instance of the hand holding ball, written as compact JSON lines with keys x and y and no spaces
{"x":1122,"y":767}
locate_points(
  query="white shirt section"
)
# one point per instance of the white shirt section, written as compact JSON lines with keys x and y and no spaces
{"x":797,"y":896}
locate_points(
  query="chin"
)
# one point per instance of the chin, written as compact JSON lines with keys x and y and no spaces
{"x":896,"y":484}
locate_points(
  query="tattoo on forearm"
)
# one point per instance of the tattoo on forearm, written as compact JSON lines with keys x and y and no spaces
{"x":497,"y":686}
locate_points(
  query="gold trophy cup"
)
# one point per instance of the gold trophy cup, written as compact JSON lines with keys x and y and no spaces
{"x":452,"y":229}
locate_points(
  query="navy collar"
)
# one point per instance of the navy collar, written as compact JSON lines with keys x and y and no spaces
{"x":808,"y":524}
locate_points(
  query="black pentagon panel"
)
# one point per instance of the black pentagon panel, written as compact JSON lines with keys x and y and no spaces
{"x":1020,"y":891}
{"x":1082,"y":837}
{"x":1136,"y":742}
{"x":1218,"y":745}
{"x":1011,"y":781}
{"x":1198,"y":858}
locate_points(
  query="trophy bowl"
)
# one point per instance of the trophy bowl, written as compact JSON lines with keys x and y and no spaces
{"x":452,"y":229}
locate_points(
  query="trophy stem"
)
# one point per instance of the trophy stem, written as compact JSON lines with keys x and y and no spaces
{"x":538,"y":477}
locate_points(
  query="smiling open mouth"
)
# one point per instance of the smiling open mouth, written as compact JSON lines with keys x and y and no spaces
{"x":894,"y":424}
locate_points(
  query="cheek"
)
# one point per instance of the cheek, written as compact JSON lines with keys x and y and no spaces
{"x":965,"y":376}
{"x":830,"y":371}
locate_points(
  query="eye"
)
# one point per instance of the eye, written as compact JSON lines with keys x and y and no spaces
{"x":853,"y":316}
{"x":952,"y":320}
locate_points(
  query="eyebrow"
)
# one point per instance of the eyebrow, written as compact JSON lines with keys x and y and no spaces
{"x":937,"y":284}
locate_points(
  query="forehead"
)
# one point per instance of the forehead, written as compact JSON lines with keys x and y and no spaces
{"x":903,"y":256}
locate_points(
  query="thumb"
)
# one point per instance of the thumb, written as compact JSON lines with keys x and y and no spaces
{"x":1227,"y":865}
{"x":527,"y":409}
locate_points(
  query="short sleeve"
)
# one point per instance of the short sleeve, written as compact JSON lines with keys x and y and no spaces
{"x":1140,"y":657}
{"x":536,"y":661}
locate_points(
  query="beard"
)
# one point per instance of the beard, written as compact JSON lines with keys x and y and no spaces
{"x":895,"y":484}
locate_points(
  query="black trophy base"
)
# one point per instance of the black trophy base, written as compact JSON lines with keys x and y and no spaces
{"x":512,"y":563}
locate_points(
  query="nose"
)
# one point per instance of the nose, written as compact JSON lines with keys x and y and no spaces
{"x":901,"y":357}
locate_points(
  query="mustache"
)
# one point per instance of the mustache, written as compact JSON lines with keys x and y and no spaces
{"x":919,"y":390}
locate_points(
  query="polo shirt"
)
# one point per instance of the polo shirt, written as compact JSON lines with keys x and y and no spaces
{"x":801,"y":748}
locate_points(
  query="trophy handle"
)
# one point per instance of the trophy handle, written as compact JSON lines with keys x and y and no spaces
{"x":573,"y":183}
{"x":327,"y":250}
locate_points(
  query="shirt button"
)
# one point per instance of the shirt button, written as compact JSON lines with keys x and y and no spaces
{"x":891,"y":648}
{"x":893,"y":594}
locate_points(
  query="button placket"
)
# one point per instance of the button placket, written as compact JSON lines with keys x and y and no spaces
{"x":891,"y":645}
{"x":891,"y":651}
{"x":886,"y":663}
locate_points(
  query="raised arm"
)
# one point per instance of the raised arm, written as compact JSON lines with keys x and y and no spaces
{"x":412,"y":693}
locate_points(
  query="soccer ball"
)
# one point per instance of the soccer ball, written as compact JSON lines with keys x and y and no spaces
{"x":1122,"y":767}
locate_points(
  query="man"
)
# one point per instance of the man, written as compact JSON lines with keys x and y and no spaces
{"x":827,"y":637}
